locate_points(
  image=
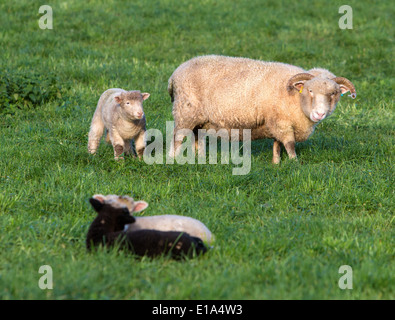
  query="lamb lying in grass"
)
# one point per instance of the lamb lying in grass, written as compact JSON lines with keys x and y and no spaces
{"x":121,"y":113}
{"x":108,"y":229}
{"x":166,"y":222}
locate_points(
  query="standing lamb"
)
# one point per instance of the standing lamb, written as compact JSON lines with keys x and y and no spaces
{"x":121,"y":113}
{"x":274,"y":100}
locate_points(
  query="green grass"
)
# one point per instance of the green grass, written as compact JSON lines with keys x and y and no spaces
{"x":282,"y":232}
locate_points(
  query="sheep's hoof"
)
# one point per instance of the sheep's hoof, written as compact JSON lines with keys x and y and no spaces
{"x":276,"y":161}
{"x":118,"y":150}
{"x":140,"y":153}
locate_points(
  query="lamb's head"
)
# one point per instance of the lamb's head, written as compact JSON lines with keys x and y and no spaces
{"x":117,"y":210}
{"x":319,"y":95}
{"x":131,"y":103}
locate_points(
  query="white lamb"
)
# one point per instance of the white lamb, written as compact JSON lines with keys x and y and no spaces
{"x":121,"y":113}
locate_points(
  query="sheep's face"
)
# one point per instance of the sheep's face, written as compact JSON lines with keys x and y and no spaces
{"x":131,"y":103}
{"x":318,"y":93}
{"x":319,"y":98}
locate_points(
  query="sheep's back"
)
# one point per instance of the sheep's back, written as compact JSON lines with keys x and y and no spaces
{"x":230,"y":92}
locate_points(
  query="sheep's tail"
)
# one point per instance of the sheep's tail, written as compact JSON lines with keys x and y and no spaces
{"x":170,"y":89}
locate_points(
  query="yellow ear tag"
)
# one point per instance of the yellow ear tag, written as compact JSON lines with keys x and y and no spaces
{"x":301,"y":89}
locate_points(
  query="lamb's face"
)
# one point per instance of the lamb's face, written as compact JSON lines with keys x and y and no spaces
{"x":131,"y":103}
{"x":121,"y":217}
{"x":319,"y":98}
{"x":111,"y":217}
{"x":116,"y":211}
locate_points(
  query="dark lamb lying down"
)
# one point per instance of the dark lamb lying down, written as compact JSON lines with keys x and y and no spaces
{"x":107,"y":229}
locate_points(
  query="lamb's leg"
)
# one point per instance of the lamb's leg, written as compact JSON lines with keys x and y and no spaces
{"x":276,"y":152}
{"x":128,"y":147}
{"x":140,"y":144}
{"x":95,"y":132}
{"x":117,"y":143}
{"x":108,"y":140}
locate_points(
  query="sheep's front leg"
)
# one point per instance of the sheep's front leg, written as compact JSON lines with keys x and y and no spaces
{"x":117,"y":143}
{"x":140,"y":144}
{"x":276,"y":152}
{"x":290,"y":147}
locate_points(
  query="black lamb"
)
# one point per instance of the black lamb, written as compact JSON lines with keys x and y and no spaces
{"x":108,"y":229}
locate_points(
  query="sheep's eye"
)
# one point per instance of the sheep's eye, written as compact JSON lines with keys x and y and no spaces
{"x":311,"y":91}
{"x":127,"y":102}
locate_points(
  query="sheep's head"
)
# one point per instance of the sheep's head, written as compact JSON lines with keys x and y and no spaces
{"x":319,"y":95}
{"x":117,"y":210}
{"x":131,"y":103}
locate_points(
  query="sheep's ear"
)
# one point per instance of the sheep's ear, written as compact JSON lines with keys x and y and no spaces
{"x":298,"y":85}
{"x":139,"y":206}
{"x":345,"y":86}
{"x":298,"y":80}
{"x":145,"y":95}
{"x":97,"y":202}
{"x":118,"y":99}
{"x":344,"y":89}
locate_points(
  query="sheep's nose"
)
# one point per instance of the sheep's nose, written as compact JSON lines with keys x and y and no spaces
{"x":140,"y":114}
{"x":320,"y":115}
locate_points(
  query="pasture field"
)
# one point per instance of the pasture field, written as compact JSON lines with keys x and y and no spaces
{"x":282,"y":232}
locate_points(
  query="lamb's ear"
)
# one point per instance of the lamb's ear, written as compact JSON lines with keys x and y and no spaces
{"x":97,"y":202}
{"x":145,"y":95}
{"x":117,"y":99}
{"x":139,"y":206}
{"x":298,"y":80}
